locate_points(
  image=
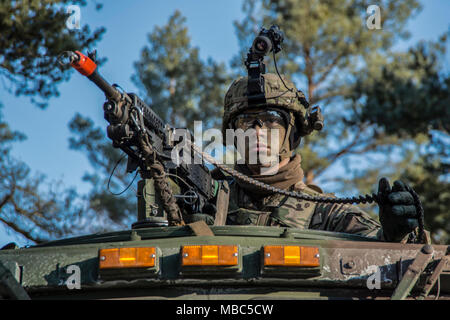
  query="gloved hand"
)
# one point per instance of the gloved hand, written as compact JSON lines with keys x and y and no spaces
{"x":398,"y":214}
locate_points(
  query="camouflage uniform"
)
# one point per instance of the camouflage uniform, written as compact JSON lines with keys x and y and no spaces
{"x":283,"y":211}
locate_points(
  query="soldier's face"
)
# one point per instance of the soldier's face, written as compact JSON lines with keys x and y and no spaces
{"x":264,"y":132}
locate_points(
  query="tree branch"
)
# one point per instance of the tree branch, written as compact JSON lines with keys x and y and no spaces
{"x":331,"y":94}
{"x":348,"y":147}
{"x":329,"y":68}
{"x":5,"y":200}
{"x":23,"y":232}
{"x":8,"y":68}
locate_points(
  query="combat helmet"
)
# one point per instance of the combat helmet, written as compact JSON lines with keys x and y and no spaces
{"x":280,"y":93}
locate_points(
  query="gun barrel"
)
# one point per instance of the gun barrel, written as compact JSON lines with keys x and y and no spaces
{"x":87,"y":67}
{"x":110,"y":92}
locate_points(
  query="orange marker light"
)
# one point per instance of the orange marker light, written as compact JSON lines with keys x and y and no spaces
{"x":127,"y":258}
{"x":295,"y":256}
{"x":209,"y":255}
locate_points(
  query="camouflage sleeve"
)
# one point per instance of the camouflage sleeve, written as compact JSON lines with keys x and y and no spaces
{"x":345,"y":218}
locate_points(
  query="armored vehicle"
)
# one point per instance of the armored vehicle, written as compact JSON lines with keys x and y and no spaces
{"x":197,"y":261}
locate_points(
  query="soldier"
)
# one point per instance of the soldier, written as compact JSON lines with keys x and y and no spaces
{"x":285,"y":110}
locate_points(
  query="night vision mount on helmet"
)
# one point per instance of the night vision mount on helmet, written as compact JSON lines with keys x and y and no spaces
{"x":266,"y":42}
{"x":269,"y":90}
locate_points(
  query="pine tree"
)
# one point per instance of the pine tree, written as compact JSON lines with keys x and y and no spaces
{"x":33,"y":34}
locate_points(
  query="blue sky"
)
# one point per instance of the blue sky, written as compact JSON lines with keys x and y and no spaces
{"x":127,"y":23}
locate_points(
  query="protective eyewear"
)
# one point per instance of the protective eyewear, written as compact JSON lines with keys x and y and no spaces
{"x":270,"y":119}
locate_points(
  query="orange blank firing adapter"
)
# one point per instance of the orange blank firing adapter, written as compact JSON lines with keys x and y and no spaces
{"x":84,"y":64}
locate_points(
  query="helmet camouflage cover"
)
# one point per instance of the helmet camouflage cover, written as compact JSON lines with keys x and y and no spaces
{"x":276,"y":95}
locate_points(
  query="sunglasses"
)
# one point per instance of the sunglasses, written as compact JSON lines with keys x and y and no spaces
{"x":270,"y":119}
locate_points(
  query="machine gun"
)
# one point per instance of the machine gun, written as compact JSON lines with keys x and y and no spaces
{"x":149,"y":143}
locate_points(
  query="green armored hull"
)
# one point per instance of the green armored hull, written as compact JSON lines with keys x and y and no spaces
{"x":232,"y":262}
